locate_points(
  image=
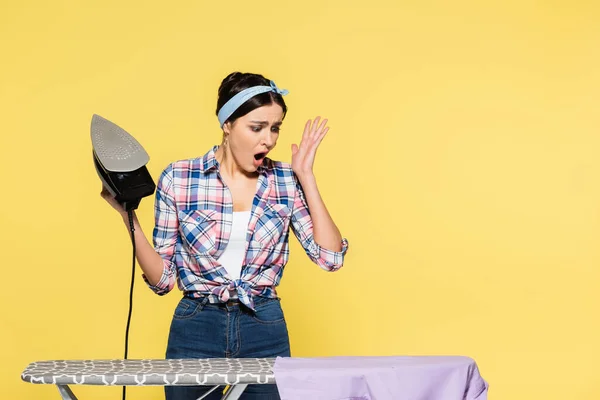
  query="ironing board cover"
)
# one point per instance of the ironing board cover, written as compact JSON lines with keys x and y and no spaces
{"x":148,"y":372}
{"x":383,"y":377}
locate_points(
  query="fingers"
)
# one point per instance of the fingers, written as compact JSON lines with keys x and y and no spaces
{"x":305,"y":134}
{"x":322,"y":125}
{"x":319,"y":131}
{"x":317,"y":141}
{"x":312,"y":128}
{"x":321,"y":136}
{"x":315,"y":126}
{"x":314,"y":132}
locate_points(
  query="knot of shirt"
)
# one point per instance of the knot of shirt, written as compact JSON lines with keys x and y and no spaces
{"x":243,"y":290}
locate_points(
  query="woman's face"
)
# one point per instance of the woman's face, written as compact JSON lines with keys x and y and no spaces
{"x":253,"y":135}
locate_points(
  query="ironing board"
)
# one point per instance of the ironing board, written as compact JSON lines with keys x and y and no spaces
{"x":236,"y":373}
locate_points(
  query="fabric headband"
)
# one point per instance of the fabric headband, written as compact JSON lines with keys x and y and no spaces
{"x":240,"y":98}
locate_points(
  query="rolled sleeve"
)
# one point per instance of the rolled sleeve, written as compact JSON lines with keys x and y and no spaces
{"x":165,"y":233}
{"x":302,"y":226}
{"x":166,"y":282}
{"x":327,"y":259}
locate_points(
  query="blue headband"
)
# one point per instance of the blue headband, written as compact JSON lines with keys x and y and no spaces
{"x":240,"y":98}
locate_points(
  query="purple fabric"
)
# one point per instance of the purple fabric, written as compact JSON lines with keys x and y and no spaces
{"x":379,"y":378}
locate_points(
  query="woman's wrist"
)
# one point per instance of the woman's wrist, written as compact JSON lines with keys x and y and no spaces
{"x":125,"y":217}
{"x":306,"y":178}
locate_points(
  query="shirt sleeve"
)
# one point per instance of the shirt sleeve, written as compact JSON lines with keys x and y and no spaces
{"x":302,"y":226}
{"x":165,"y":232}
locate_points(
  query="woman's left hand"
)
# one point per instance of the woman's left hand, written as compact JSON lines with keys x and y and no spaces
{"x":303,"y":156}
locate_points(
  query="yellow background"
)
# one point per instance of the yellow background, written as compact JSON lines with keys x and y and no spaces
{"x":462,"y":164}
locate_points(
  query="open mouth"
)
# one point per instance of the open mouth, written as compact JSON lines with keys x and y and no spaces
{"x":260,"y":156}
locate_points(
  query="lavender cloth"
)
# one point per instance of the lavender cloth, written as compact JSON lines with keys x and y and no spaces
{"x":379,"y":378}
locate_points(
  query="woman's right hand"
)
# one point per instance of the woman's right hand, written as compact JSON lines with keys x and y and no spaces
{"x":106,"y":195}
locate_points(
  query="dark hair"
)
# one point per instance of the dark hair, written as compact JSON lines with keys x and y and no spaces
{"x":238,"y":81}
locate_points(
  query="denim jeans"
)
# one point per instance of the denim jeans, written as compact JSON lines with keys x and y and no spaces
{"x":227,"y":331}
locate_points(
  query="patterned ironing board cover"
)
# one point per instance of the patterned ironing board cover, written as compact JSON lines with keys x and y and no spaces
{"x":149,"y":372}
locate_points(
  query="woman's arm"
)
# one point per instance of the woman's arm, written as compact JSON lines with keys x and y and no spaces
{"x":150,"y":261}
{"x":311,"y":220}
{"x":325,"y":232}
{"x":155,"y":261}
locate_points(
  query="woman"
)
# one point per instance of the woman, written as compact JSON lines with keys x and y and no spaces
{"x":222,"y":233}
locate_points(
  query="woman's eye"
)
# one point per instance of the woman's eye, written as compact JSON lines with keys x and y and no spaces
{"x":256,"y":128}
{"x":275,"y":129}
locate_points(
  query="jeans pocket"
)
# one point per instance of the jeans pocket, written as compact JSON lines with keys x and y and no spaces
{"x":186,"y":308}
{"x":269,"y":312}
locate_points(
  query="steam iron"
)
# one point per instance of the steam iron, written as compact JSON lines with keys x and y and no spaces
{"x":120,"y":162}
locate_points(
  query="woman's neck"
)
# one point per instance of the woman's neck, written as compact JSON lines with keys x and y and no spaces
{"x":228,"y":166}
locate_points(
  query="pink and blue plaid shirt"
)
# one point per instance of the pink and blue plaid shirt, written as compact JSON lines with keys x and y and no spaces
{"x":193,"y":219}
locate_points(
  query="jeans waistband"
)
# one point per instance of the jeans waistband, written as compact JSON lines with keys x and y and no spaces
{"x":214,"y":300}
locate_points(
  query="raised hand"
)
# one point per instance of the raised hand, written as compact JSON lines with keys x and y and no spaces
{"x":303,"y":155}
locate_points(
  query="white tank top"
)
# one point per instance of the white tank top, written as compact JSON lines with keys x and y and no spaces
{"x":233,"y":255}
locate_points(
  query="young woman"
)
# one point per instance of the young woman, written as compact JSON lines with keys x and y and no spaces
{"x":222,"y":224}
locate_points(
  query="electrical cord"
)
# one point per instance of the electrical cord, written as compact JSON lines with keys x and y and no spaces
{"x":131,"y":228}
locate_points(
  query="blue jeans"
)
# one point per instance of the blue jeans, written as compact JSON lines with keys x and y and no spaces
{"x":227,"y":331}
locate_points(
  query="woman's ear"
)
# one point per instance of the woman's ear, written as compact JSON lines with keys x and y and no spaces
{"x":227,"y":128}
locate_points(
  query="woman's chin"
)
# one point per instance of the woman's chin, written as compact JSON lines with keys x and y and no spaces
{"x":250,"y":169}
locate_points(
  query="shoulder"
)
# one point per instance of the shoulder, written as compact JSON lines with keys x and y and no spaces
{"x":188,"y":167}
{"x":179,"y":173}
{"x":182,"y":166}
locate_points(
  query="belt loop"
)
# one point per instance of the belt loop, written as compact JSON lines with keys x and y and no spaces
{"x":203,"y":302}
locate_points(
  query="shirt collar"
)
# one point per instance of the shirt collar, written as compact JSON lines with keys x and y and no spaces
{"x":208,"y":162}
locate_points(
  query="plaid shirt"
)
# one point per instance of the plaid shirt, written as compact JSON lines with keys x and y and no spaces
{"x":193,"y":219}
